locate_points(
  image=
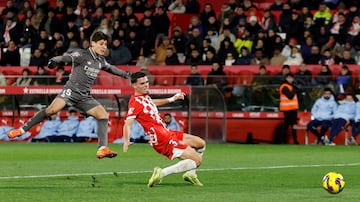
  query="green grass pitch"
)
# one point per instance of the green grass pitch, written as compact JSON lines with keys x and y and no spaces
{"x":230,"y":172}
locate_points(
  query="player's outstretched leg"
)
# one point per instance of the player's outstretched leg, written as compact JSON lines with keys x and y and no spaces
{"x":104,"y":151}
{"x":155,"y":177}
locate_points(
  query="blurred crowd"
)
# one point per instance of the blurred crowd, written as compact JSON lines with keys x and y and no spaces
{"x":290,"y":32}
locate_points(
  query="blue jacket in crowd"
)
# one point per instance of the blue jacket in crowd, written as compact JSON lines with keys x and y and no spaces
{"x":69,"y":127}
{"x":357,"y":112}
{"x":49,"y":128}
{"x":324,"y":109}
{"x":346,"y":110}
{"x":87,"y":128}
{"x":173,"y":125}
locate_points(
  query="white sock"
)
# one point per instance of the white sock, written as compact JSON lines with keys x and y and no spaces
{"x":201,"y":152}
{"x":181,"y":166}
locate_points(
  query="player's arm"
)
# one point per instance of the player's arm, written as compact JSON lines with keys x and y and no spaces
{"x":114,"y":70}
{"x":164,"y":101}
{"x":53,"y":62}
{"x":126,"y":133}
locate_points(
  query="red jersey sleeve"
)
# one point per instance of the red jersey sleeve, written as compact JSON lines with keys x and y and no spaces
{"x":134,"y":108}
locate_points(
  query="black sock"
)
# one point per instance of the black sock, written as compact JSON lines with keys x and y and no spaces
{"x":37,"y":118}
{"x":103,"y":132}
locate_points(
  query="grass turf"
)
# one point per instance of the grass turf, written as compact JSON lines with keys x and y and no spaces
{"x":71,"y":172}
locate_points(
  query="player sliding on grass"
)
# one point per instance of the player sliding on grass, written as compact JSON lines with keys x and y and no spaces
{"x":172,"y":144}
{"x":86,"y":66}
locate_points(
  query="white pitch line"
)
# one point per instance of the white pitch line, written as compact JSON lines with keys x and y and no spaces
{"x":205,"y":169}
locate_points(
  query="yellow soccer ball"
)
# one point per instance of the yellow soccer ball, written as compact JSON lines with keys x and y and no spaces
{"x":333,"y":182}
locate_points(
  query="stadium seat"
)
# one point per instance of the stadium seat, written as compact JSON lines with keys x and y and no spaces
{"x":303,"y":119}
{"x":164,"y":78}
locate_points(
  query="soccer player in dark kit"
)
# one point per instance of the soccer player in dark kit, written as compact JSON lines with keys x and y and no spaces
{"x":86,"y":64}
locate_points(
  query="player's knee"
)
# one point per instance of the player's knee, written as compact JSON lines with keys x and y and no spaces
{"x":197,"y":159}
{"x":50,"y":111}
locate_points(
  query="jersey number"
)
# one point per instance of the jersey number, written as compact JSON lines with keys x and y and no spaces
{"x":66,"y":93}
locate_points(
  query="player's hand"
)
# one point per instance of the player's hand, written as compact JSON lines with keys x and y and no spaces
{"x":179,"y":96}
{"x":128,"y":75}
{"x":126,"y":145}
{"x":51,"y":64}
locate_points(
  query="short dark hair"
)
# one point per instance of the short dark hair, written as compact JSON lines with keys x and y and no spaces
{"x":99,"y":35}
{"x":136,"y":75}
{"x":327,"y":89}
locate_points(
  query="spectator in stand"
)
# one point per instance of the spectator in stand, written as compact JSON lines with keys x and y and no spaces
{"x":133,"y":44}
{"x":61,"y":76}
{"x":260,"y":88}
{"x":206,"y":13}
{"x":248,"y":5}
{"x":105,"y":27}
{"x":49,"y":128}
{"x":239,"y":27}
{"x":277,"y":5}
{"x":217,"y":77}
{"x":10,"y":55}
{"x":227,"y":33}
{"x":119,"y":54}
{"x":179,"y":40}
{"x":308,"y":24}
{"x":303,"y":78}
{"x":161,"y":21}
{"x":346,"y":58}
{"x":192,"y":6}
{"x":195,"y":23}
{"x":171,"y":122}
{"x":194,"y":79}
{"x":268,"y":21}
{"x":194,"y":58}
{"x":210,"y":57}
{"x":355,"y":127}
{"x":280,"y":77}
{"x":206,"y":45}
{"x":171,"y":57}
{"x":147,"y":33}
{"x":226,"y":47}
{"x":306,"y":47}
{"x":226,"y":12}
{"x":305,"y":13}
{"x":67,"y":129}
{"x":285,"y":17}
{"x":277,"y":58}
{"x":259,"y":58}
{"x":10,"y":7}
{"x":213,"y":35}
{"x":10,"y":32}
{"x":25,"y":79}
{"x":354,"y":28}
{"x":323,"y":15}
{"x":244,"y":41}
{"x":323,"y":112}
{"x":295,"y":57}
{"x":60,"y":7}
{"x":314,"y":57}
{"x":325,"y":77}
{"x":87,"y":130}
{"x":344,"y":80}
{"x":253,"y":26}
{"x":161,"y":49}
{"x":340,"y":29}
{"x":344,"y":113}
{"x":287,"y":49}
{"x":68,"y":15}
{"x":41,"y":77}
{"x":244,"y":57}
{"x":177,"y":7}
{"x":97,"y":17}
{"x":27,"y":34}
{"x":195,"y":37}
{"x":87,"y":28}
{"x":38,"y":59}
{"x":25,"y":6}
{"x":51,"y":23}
{"x":230,"y":59}
{"x":327,"y":58}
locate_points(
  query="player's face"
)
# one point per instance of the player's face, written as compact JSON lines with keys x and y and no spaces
{"x":99,"y":47}
{"x":142,"y":85}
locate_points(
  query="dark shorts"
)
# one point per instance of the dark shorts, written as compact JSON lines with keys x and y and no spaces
{"x":290,"y":117}
{"x":77,"y":100}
